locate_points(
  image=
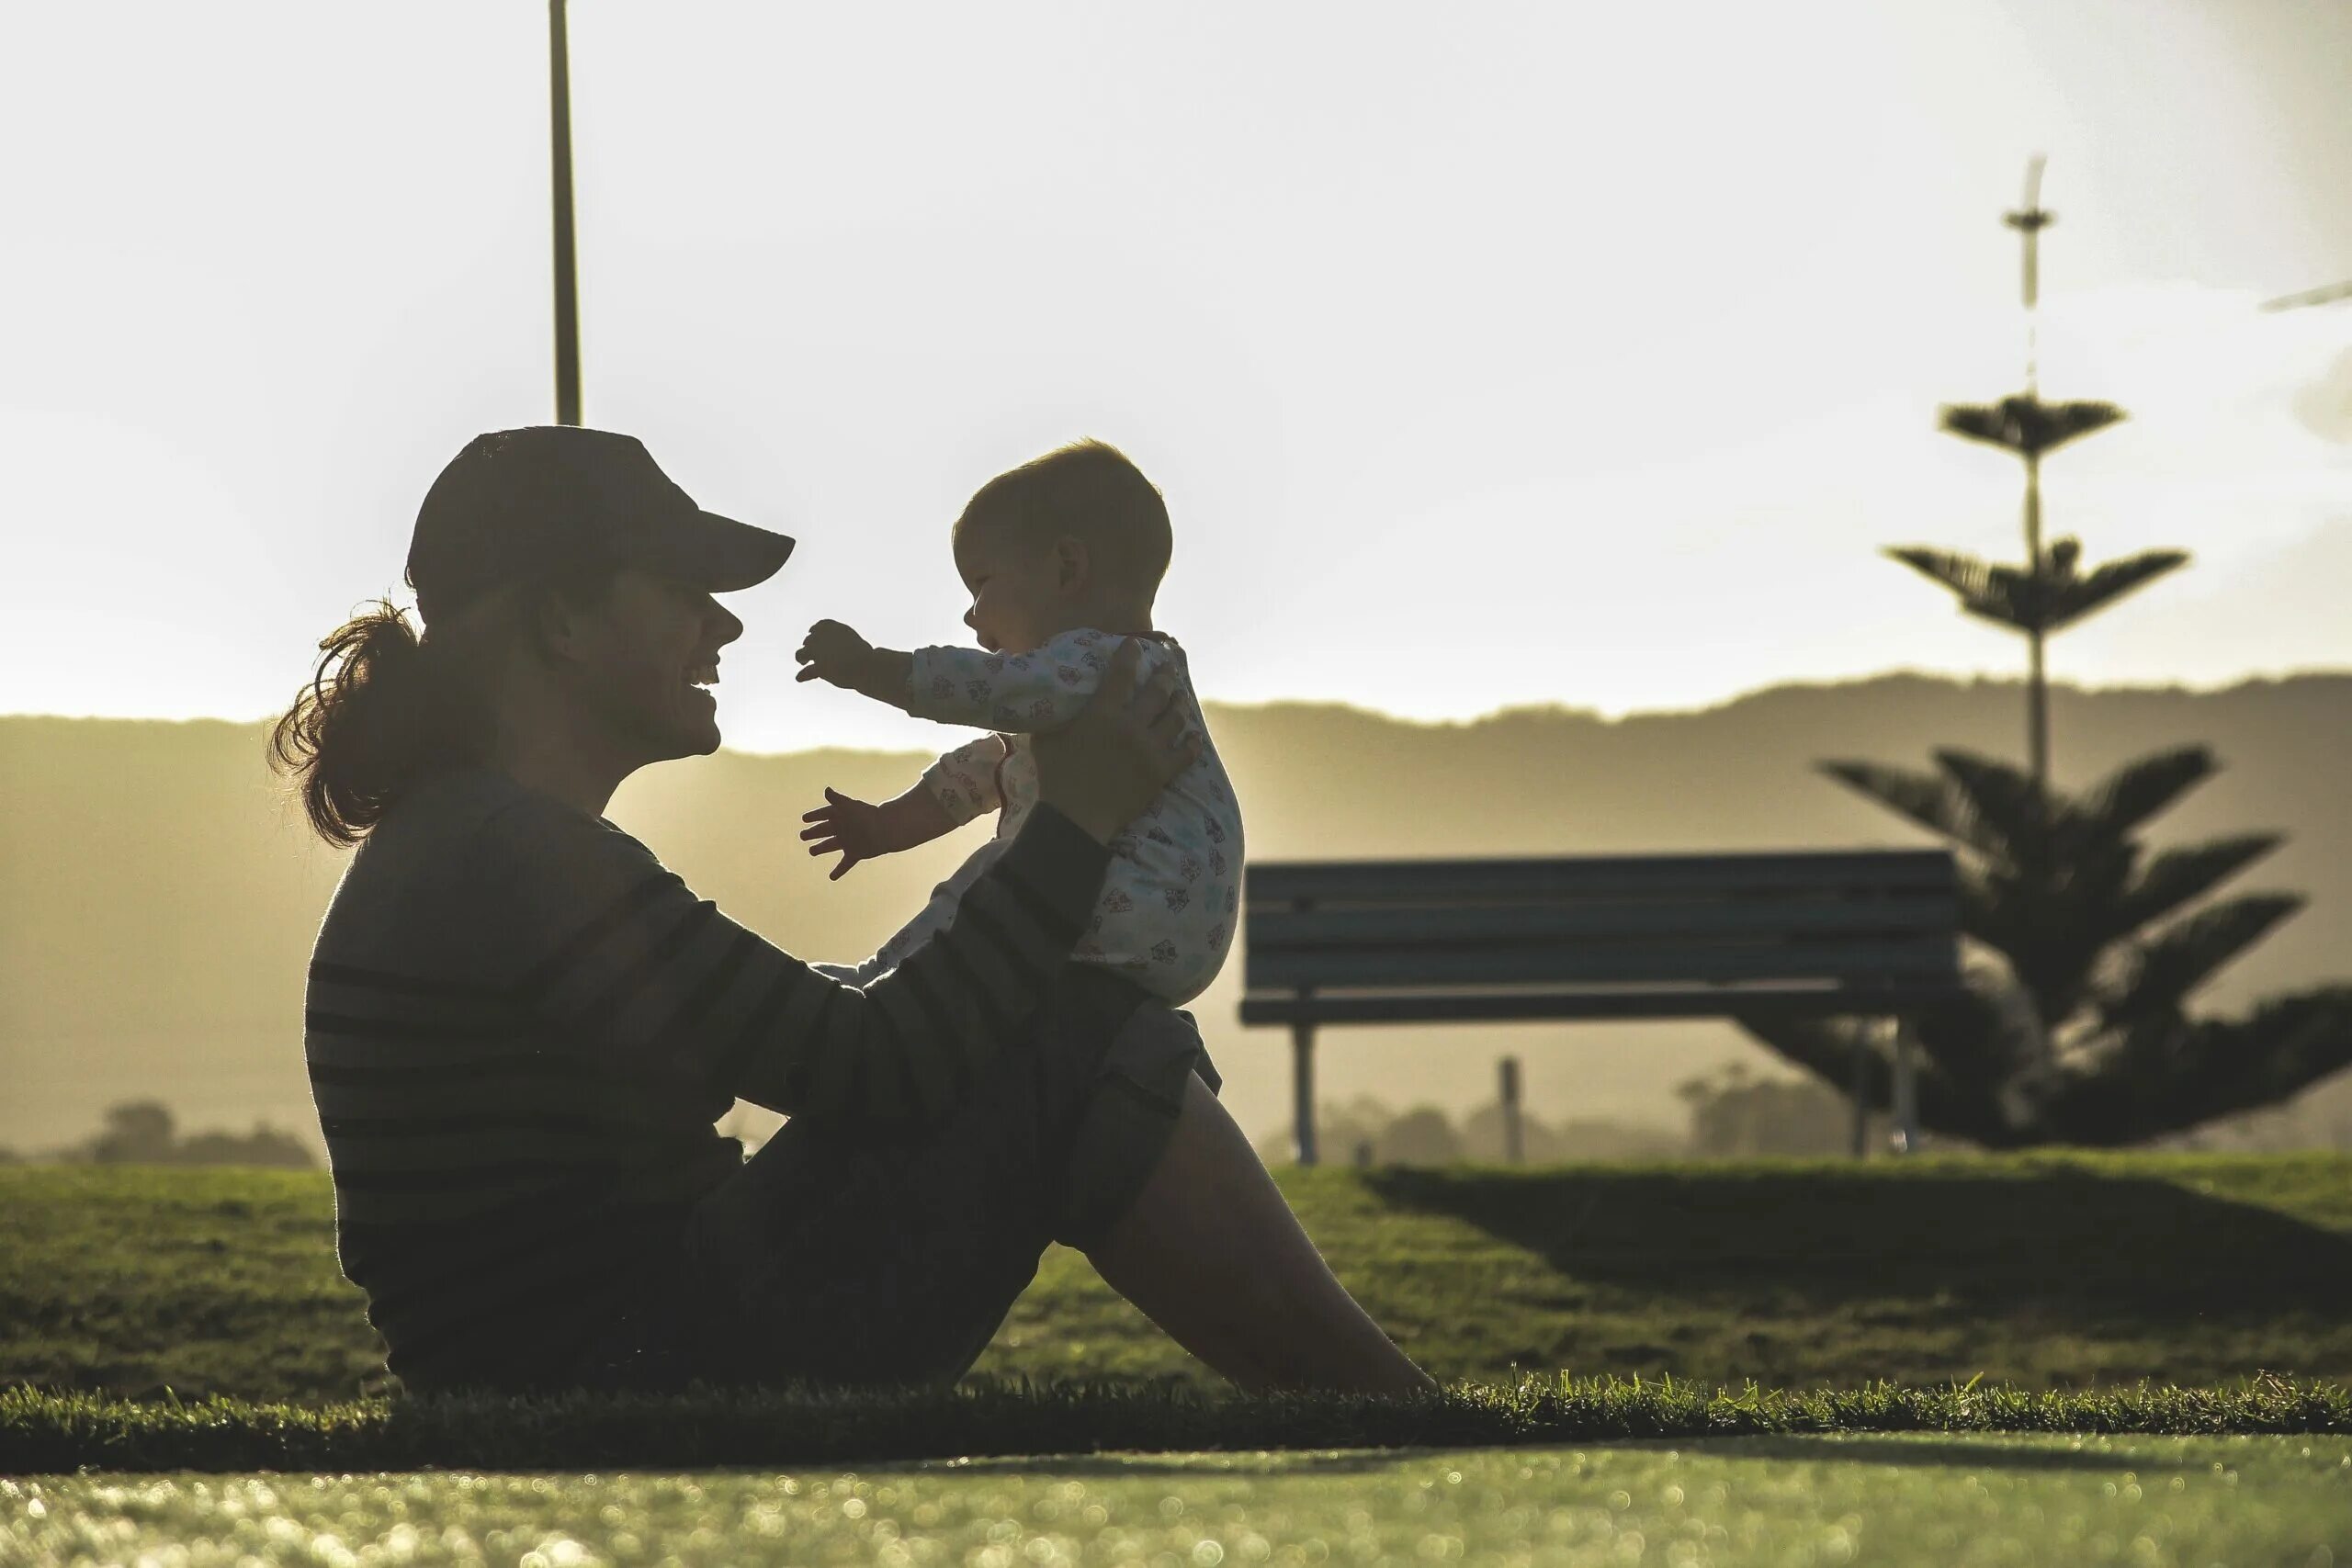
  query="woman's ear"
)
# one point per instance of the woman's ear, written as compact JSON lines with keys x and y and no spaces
{"x":554,"y":622}
{"x":1073,"y":569}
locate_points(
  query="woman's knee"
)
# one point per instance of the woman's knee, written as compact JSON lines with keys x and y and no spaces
{"x":1128,"y":1121}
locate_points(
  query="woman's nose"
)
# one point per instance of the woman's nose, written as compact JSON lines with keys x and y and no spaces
{"x":967,"y":618}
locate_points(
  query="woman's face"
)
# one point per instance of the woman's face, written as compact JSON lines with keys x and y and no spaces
{"x":643,"y":660}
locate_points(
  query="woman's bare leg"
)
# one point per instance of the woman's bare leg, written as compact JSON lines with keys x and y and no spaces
{"x":1213,"y":1254}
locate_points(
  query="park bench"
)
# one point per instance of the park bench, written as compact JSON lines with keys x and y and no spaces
{"x":1861,"y":933}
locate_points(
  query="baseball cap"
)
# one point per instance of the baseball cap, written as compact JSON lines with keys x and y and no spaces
{"x":524,"y":505}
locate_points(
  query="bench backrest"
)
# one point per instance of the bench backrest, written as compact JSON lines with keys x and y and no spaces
{"x":1594,"y":936}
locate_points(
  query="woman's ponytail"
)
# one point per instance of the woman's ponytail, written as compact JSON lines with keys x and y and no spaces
{"x":379,"y":716}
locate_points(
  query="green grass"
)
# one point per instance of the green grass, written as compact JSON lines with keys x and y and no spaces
{"x":1954,"y":1502}
{"x":46,"y":1432}
{"x":1863,"y":1300}
{"x":2045,"y":1272}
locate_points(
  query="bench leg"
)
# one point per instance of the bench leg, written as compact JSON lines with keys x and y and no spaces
{"x":1858,"y":1087}
{"x":1514,"y":1138}
{"x":1302,"y":1089}
{"x":1906,"y":1090}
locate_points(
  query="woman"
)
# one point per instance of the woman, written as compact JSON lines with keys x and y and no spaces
{"x":521,"y":1028}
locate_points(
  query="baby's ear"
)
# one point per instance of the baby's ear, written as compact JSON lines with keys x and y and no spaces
{"x":1073,"y":568}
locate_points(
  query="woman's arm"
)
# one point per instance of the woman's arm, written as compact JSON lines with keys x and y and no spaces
{"x":644,"y":976}
{"x":632,"y":969}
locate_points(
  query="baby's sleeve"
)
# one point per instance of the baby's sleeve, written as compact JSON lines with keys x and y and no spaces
{"x":964,"y":781}
{"x":1018,"y":692}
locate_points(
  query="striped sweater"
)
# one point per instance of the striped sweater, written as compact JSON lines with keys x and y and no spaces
{"x":521,"y":1028}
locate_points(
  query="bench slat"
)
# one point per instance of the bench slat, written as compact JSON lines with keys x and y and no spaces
{"x":1535,"y":964}
{"x":1712,"y":1001}
{"x":1593,"y":876}
{"x":1603,"y":922}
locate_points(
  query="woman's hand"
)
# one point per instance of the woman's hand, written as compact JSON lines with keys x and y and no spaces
{"x":1127,"y":745}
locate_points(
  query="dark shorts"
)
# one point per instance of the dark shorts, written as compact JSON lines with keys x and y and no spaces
{"x":842,"y":1254}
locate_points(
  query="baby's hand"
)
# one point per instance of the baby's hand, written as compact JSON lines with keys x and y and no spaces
{"x":834,"y":652}
{"x":852,"y":826}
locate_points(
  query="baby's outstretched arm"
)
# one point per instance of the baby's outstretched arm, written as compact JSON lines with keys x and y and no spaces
{"x":957,"y":788}
{"x":1029,"y":693}
{"x":861,"y":830}
{"x":834,"y":652}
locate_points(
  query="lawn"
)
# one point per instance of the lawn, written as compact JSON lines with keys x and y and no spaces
{"x":2079,"y":1289}
{"x":2148,"y":1502}
{"x":2042,"y":1271}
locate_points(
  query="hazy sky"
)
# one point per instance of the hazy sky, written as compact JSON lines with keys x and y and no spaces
{"x":1487,"y":354}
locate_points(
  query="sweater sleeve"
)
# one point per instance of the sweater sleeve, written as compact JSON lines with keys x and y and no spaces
{"x":964,"y":782}
{"x":1019,"y":693}
{"x":622,"y":964}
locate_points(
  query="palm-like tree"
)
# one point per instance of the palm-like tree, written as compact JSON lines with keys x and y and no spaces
{"x":2051,"y":591}
{"x":2026,"y":426}
{"x":2050,"y":600}
{"x":2085,"y":950}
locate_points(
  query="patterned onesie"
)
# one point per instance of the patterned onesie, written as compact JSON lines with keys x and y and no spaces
{"x":1170,"y":900}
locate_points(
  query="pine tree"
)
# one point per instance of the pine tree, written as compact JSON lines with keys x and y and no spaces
{"x":2051,"y":591}
{"x":2074,"y":1030}
{"x":2084,"y":949}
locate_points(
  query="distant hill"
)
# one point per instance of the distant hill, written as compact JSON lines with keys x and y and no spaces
{"x":157,"y":899}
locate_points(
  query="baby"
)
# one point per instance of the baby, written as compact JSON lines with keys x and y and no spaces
{"x":1063,"y":557}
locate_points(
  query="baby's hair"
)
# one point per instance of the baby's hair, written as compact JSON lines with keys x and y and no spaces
{"x":1088,"y":491}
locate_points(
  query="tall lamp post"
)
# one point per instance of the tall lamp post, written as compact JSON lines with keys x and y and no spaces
{"x":567,"y":289}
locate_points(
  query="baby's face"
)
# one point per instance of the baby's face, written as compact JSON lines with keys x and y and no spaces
{"x":1017,"y":597}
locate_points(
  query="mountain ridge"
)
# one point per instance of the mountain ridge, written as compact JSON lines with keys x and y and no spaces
{"x":158,"y":894}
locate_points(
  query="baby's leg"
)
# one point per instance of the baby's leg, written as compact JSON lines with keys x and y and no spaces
{"x":937,"y":916}
{"x":934,"y":919}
